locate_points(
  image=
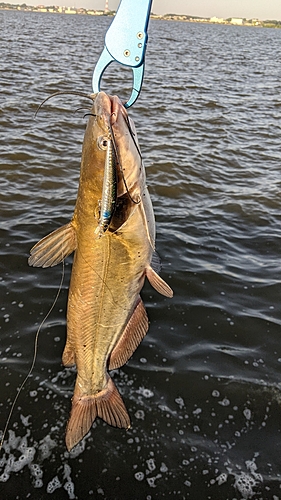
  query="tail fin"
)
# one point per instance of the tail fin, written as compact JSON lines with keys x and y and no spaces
{"x":107,"y":404}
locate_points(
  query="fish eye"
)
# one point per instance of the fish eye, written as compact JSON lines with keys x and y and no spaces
{"x":103,"y":142}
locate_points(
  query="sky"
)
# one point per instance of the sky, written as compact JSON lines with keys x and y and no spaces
{"x":260,"y":9}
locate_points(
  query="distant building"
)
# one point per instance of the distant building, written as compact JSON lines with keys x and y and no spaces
{"x":217,"y":20}
{"x":236,"y":20}
{"x":95,"y":12}
{"x":70,"y":11}
{"x":256,"y":22}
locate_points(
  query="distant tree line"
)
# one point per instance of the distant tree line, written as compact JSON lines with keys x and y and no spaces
{"x":269,"y":23}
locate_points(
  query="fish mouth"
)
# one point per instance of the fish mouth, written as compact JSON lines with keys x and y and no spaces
{"x":112,"y":115}
{"x":107,"y":109}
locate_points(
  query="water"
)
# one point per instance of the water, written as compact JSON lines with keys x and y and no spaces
{"x":203,"y":389}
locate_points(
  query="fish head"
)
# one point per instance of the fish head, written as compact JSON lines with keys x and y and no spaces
{"x":109,"y":120}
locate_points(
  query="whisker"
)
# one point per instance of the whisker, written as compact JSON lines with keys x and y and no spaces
{"x":69,"y":92}
{"x":80,"y":109}
{"x":89,"y":114}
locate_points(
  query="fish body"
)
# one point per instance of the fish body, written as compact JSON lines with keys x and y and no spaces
{"x":106,"y":318}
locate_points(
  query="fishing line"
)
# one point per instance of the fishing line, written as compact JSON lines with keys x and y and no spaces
{"x":33,"y":359}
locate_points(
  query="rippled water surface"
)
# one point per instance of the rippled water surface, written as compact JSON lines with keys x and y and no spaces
{"x":203,"y":389}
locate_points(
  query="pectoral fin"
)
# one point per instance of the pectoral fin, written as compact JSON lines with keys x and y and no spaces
{"x":52,"y":249}
{"x":132,"y":336}
{"x":158,"y":283}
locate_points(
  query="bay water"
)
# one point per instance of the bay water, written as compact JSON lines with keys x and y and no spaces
{"x":203,"y":388}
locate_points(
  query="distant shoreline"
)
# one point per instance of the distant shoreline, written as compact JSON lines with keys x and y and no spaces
{"x":272,"y":23}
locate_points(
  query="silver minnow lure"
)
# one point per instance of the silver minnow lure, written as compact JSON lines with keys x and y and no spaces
{"x":109,"y":191}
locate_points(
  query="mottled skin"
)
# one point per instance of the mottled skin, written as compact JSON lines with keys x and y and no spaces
{"x":106,"y":319}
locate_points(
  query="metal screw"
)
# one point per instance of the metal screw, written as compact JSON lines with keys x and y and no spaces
{"x":140,"y":35}
{"x":137,"y":58}
{"x":127,"y":53}
{"x":139,"y":45}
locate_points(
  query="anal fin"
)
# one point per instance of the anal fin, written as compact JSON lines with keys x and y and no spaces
{"x":158,"y":283}
{"x":106,"y":404}
{"x":54,"y":247}
{"x":132,"y":336}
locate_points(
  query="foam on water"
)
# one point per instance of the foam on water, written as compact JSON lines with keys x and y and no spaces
{"x":33,"y":457}
{"x":15,"y":461}
{"x":150,"y":469}
{"x":53,"y":485}
{"x":21,"y":452}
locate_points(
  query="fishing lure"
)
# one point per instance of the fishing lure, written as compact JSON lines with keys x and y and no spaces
{"x":109,"y":190}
